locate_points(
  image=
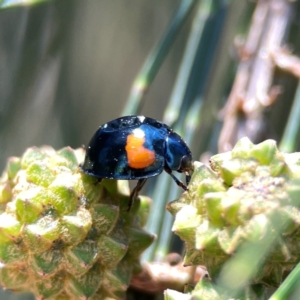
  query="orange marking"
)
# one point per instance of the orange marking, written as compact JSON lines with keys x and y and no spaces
{"x":138,"y":156}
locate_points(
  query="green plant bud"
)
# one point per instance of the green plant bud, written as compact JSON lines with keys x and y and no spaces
{"x":201,"y":172}
{"x":251,"y":197}
{"x":213,"y":206}
{"x":234,"y":168}
{"x":86,"y":285}
{"x":256,"y":229}
{"x":139,"y":239}
{"x":210,"y":185}
{"x":205,"y":290}
{"x":89,"y":189}
{"x":49,"y":286}
{"x":63,"y":234}
{"x":264,"y":152}
{"x":5,"y":192}
{"x":13,"y":166}
{"x":293,"y":190}
{"x":10,"y":226}
{"x":3,"y":237}
{"x":46,"y":263}
{"x":293,"y":162}
{"x":186,"y":222}
{"x":10,"y":253}
{"x":230,"y":207}
{"x":76,"y":227}
{"x":206,"y":186}
{"x":32,"y":155}
{"x":116,"y":280}
{"x":175,"y":206}
{"x":111,"y":250}
{"x":278,"y":167}
{"x":291,"y":219}
{"x":28,"y":205}
{"x":242,"y":149}
{"x":229,"y":239}
{"x":39,"y":237}
{"x":14,"y":278}
{"x":63,"y":195}
{"x":217,"y":160}
{"x":81,"y":258}
{"x":39,"y":173}
{"x":65,"y":157}
{"x":206,"y":237}
{"x":105,"y":217}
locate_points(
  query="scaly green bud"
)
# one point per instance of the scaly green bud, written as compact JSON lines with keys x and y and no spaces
{"x":250,"y":195}
{"x":64,"y":235}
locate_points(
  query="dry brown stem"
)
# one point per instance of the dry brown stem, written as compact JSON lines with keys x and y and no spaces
{"x":252,"y":90}
{"x":286,"y":61}
{"x":171,"y":274}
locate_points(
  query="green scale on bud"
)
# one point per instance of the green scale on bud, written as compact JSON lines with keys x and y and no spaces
{"x":63,"y":235}
{"x":248,"y":196}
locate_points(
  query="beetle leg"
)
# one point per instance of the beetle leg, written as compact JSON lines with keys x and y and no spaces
{"x":135,"y":192}
{"x":179,"y":183}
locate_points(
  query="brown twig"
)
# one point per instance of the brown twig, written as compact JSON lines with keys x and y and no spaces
{"x":286,"y":61}
{"x":252,"y":90}
{"x":171,"y":274}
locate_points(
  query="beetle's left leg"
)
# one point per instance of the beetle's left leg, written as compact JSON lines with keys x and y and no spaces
{"x":135,"y":192}
{"x":179,"y":183}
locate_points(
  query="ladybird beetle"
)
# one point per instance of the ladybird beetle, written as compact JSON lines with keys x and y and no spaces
{"x":137,"y":147}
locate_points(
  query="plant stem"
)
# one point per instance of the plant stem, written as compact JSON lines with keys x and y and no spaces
{"x":288,"y":286}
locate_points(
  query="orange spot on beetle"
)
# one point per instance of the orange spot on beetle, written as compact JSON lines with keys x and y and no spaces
{"x":138,"y":156}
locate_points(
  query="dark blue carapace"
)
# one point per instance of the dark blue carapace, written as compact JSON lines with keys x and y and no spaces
{"x":137,"y":147}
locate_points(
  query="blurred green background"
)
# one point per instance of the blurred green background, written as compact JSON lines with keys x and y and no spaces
{"x":67,"y":66}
